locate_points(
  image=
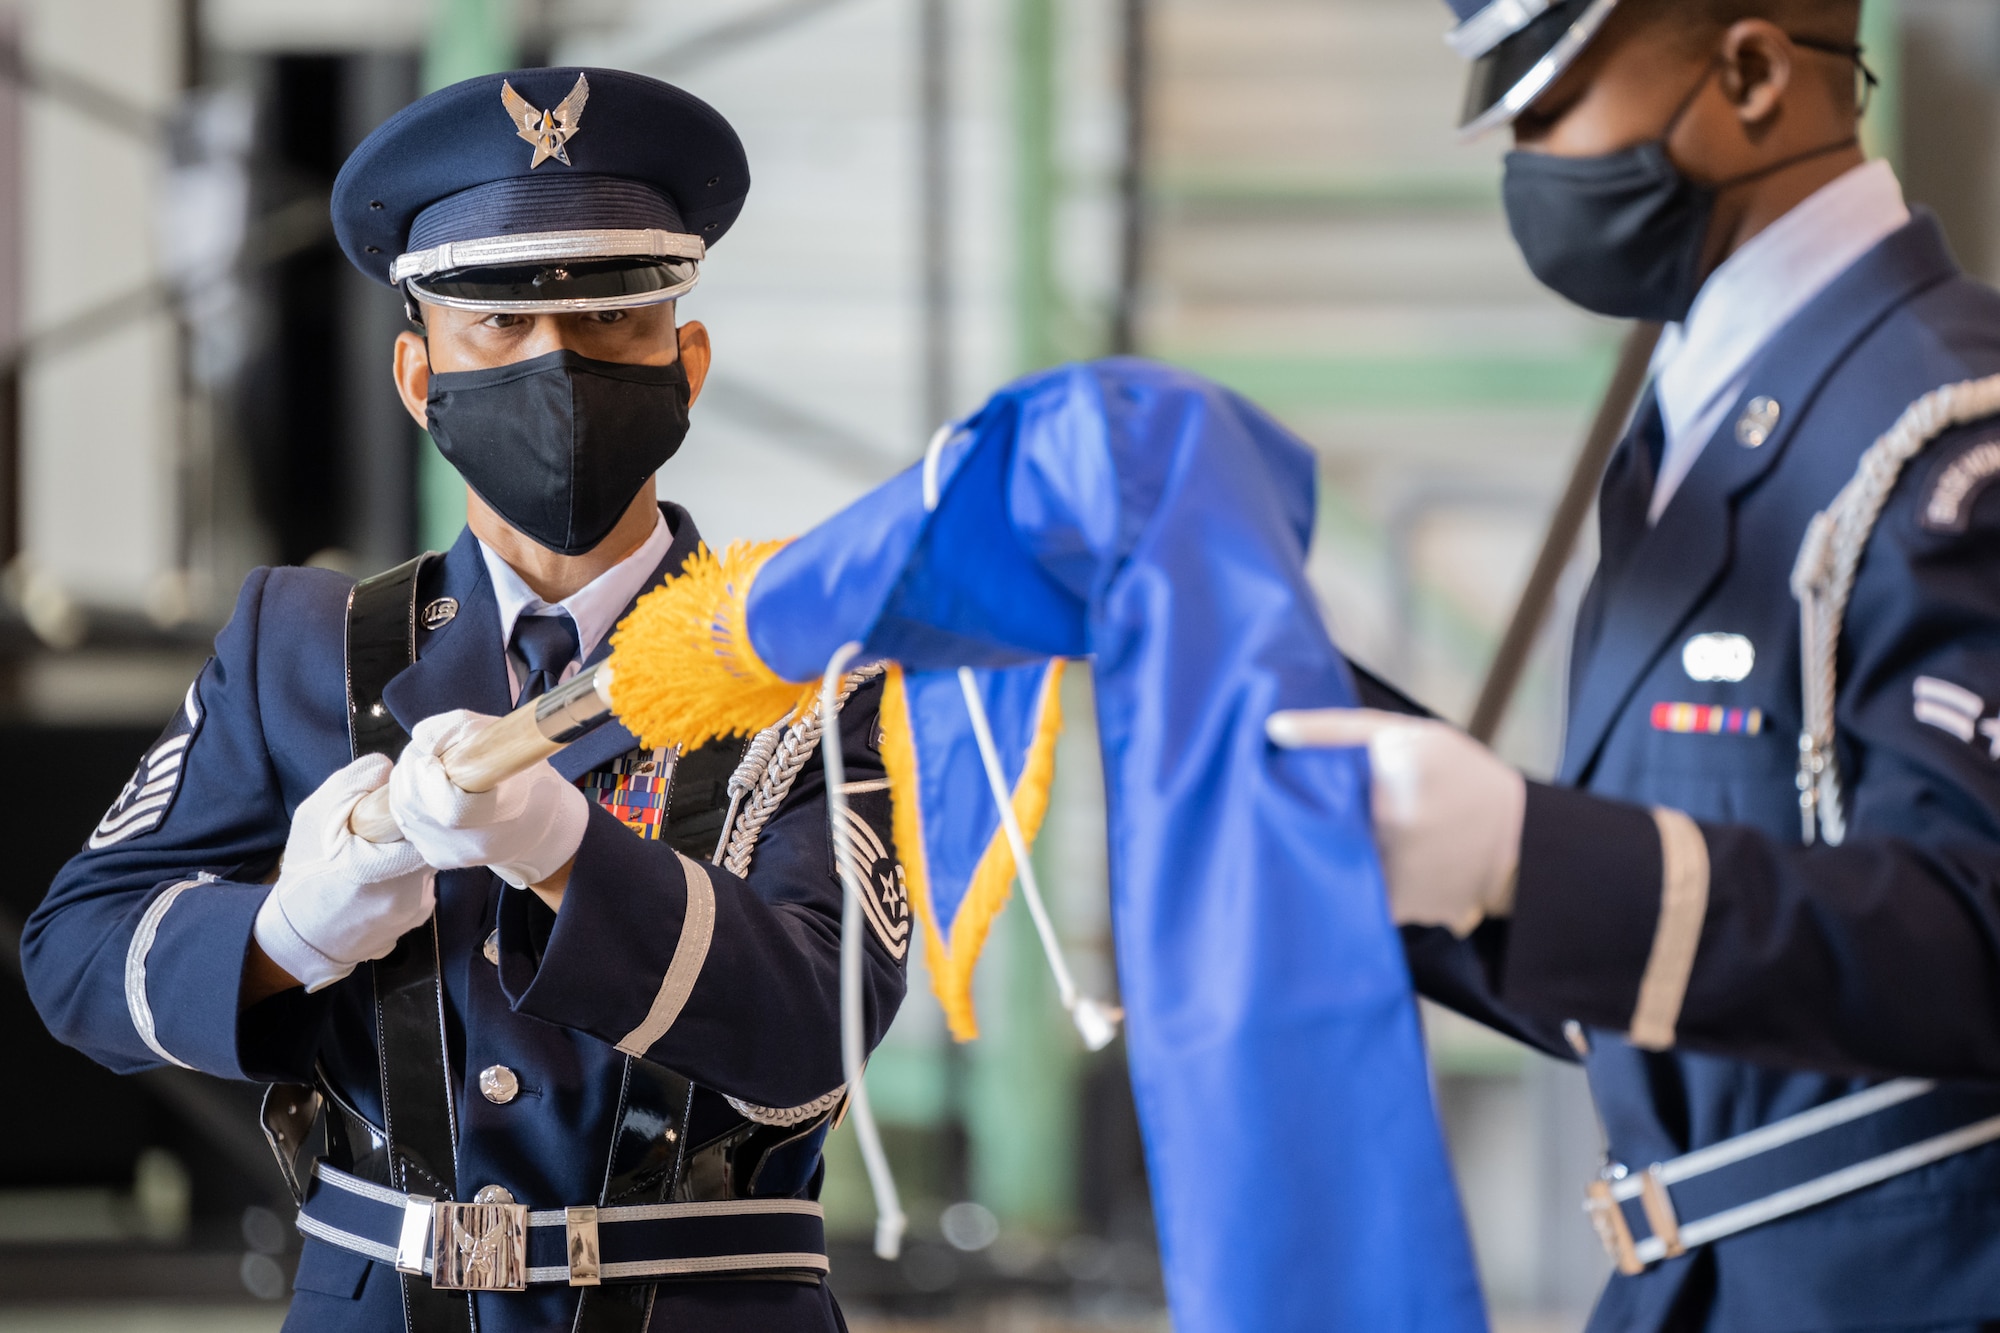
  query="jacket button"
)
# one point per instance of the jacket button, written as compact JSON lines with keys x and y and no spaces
{"x":492,"y":948}
{"x":498,"y":1084}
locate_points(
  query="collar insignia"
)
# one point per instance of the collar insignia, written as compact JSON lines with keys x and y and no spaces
{"x":549,"y":131}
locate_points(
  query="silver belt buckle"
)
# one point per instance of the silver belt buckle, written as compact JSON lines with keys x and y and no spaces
{"x":482,"y":1245}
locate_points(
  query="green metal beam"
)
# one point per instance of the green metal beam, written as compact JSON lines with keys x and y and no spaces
{"x":1329,"y":193}
{"x":468,"y":38}
{"x":1414,"y":382}
{"x":1021,"y":1117}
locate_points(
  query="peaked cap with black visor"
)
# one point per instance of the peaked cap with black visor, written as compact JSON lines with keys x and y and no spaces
{"x":1517,"y":49}
{"x":547,"y":191}
{"x":558,"y":189}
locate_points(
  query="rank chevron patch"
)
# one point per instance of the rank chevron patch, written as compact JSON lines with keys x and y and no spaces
{"x":885,"y":896}
{"x":151,"y":791}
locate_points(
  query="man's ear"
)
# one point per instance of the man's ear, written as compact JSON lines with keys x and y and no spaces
{"x":694,"y":355}
{"x":413,"y":376}
{"x":1757,"y":69}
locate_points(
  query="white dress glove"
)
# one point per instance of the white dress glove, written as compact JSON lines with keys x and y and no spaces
{"x":1447,"y":811}
{"x":524,"y":830}
{"x":339,"y":898}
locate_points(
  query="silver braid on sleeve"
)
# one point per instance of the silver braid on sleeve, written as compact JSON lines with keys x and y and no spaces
{"x":1823,"y":580}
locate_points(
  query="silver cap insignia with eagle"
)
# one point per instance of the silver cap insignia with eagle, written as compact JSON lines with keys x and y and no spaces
{"x":549,"y":131}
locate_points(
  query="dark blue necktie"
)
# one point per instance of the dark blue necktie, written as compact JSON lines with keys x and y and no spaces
{"x":1623,"y":500}
{"x":543,"y":648}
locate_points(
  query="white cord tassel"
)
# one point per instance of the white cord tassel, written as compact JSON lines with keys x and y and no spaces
{"x":1095,"y":1021}
{"x":890,"y":1222}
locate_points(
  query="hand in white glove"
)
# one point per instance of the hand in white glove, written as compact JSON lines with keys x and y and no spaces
{"x":525,"y":829}
{"x":339,"y":898}
{"x":1447,"y":811}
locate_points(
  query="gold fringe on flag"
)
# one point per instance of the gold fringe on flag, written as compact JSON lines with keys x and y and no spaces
{"x":951,"y":961}
{"x":685,"y":671}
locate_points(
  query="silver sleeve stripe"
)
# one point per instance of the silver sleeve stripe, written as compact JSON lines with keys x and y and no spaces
{"x":697,"y":931}
{"x":1677,"y":936}
{"x":136,"y":1002}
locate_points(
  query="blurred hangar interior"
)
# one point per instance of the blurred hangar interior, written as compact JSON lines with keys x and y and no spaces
{"x":948,"y":193}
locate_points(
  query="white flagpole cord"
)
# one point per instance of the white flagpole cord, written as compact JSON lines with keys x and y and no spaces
{"x":933,"y":455}
{"x":890,"y":1221}
{"x":1096,"y":1022}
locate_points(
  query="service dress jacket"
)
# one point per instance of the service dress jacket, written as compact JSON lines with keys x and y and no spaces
{"x":1816,"y":970}
{"x":136,"y":954}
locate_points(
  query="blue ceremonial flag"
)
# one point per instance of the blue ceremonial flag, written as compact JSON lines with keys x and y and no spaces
{"x":1157,"y":525}
{"x":703,"y":679}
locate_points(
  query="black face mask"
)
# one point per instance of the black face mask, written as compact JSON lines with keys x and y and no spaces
{"x":560,"y":444}
{"x":1621,"y":234}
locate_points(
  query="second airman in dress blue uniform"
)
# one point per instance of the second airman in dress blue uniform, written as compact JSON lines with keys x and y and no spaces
{"x":1769,"y":873}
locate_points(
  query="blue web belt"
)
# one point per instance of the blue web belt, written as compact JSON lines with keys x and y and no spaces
{"x":1785,"y":1167}
{"x":496,"y":1244}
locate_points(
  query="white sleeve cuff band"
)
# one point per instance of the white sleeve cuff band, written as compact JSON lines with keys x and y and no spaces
{"x":1677,"y":936}
{"x":137,"y":1002}
{"x":690,"y":952}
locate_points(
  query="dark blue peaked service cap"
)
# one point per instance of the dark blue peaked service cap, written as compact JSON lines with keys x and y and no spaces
{"x":542,"y":189}
{"x":1517,"y":49}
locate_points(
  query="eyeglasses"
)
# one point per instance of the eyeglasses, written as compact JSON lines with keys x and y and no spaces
{"x":1865,"y":81}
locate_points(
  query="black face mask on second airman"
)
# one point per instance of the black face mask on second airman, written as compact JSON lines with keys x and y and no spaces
{"x":558,"y":445}
{"x":1623,"y":234}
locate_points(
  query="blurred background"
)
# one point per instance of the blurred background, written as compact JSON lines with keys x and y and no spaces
{"x":948,"y":193}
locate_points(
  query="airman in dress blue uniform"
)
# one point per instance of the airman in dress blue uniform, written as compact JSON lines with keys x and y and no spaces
{"x":575,"y":1039}
{"x":1774,"y":843}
